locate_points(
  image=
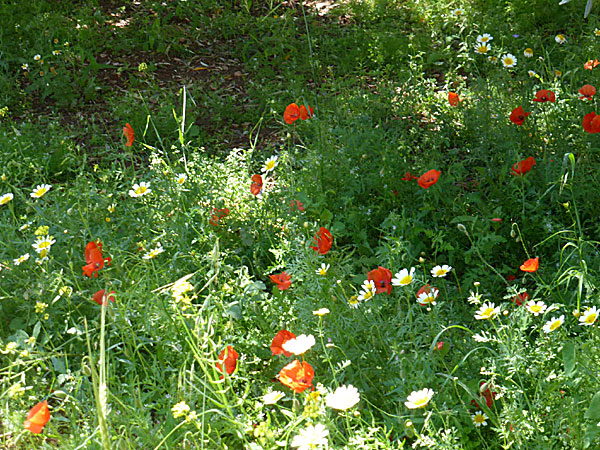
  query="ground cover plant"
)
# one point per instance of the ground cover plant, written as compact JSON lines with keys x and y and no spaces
{"x":299,"y":225}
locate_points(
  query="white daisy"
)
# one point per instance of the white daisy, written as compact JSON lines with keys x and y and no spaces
{"x":37,"y":57}
{"x":323,"y":270}
{"x":21,"y":259}
{"x":509,"y":60}
{"x":596,"y":31}
{"x":299,"y":345}
{"x":141,"y":189}
{"x":479,"y":419}
{"x":43,"y":243}
{"x":272,"y":397}
{"x":440,"y":271}
{"x":531,"y":73}
{"x":155,"y":252}
{"x":419,"y":399}
{"x":528,"y":52}
{"x":6,"y":198}
{"x":536,"y":308}
{"x":458,"y":12}
{"x":181,"y":178}
{"x":560,"y":38}
{"x":321,"y":312}
{"x":474,"y":298}
{"x":484,"y":38}
{"x":404,"y":277}
{"x":311,"y":438}
{"x":428,"y":298}
{"x":56,"y":52}
{"x":553,"y":324}
{"x":43,"y":256}
{"x":344,"y":397}
{"x":487,"y":311}
{"x":368,"y":291}
{"x":40,"y":190}
{"x":492,"y":59}
{"x":270,"y":164}
{"x":353,"y":301}
{"x":25,"y":66}
{"x":482,"y":48}
{"x":589,"y":316}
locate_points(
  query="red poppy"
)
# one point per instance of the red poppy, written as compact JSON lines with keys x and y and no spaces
{"x":323,"y":241}
{"x":531,"y":265}
{"x":487,"y":394}
{"x":257,"y":184}
{"x":587,"y":91}
{"x":305,"y":113}
{"x":544,"y":95}
{"x":227,"y":359}
{"x":297,"y":376}
{"x":518,"y":115}
{"x":408,"y":177}
{"x":453,"y":98}
{"x":297,"y":204}
{"x":291,"y":113}
{"x":283,"y":280}
{"x":281,"y":338}
{"x":94,"y":259}
{"x":382,"y":278}
{"x":522,"y":167}
{"x":511,"y":278}
{"x":429,"y":178}
{"x":520,"y":299}
{"x":98,"y":296}
{"x":589,"y":65}
{"x":129,"y":134}
{"x":439,"y":345}
{"x":218,"y":214}
{"x":591,"y":123}
{"x":37,"y":417}
{"x":496,"y":219}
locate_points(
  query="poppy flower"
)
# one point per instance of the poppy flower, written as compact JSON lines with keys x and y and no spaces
{"x":587,"y":91}
{"x":487,"y":394}
{"x":496,"y":219}
{"x":522,"y":167}
{"x":591,"y":123}
{"x":98,"y":296}
{"x":305,"y":113}
{"x":37,"y":417}
{"x":283,"y":280}
{"x":281,"y":338}
{"x":228,"y":360}
{"x":218,"y":214}
{"x":589,"y":65}
{"x":297,"y":204}
{"x":94,"y":259}
{"x":129,"y":134}
{"x":382,"y":278}
{"x":291,"y":113}
{"x":518,"y":115}
{"x":531,"y":265}
{"x":453,"y":98}
{"x":408,"y":177}
{"x":429,"y":178}
{"x":520,"y":299}
{"x":544,"y":95}
{"x":297,"y":376}
{"x":257,"y":184}
{"x":439,"y":346}
{"x":323,"y":240}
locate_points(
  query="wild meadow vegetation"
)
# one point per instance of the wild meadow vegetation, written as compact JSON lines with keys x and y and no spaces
{"x":308,"y":225}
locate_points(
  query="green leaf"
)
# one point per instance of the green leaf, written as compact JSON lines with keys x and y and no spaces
{"x":326,"y":216}
{"x":593,"y":411}
{"x":569,"y":358}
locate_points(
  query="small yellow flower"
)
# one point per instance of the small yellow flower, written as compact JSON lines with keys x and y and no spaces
{"x":42,"y":230}
{"x":180,"y":409}
{"x":557,"y":73}
{"x":528,"y":52}
{"x":40,"y":307}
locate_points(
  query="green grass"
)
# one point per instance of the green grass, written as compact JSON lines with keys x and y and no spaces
{"x":204,"y":86}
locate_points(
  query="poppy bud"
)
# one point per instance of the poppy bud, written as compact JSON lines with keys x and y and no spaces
{"x":461,"y":228}
{"x":421,"y":260}
{"x":513,"y":233}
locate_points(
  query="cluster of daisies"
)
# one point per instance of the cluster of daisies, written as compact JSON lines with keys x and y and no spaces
{"x":39,"y":60}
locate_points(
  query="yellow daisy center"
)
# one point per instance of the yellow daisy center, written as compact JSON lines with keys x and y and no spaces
{"x":479,"y":418}
{"x":482,"y":49}
{"x":270,"y":165}
{"x":421,"y":402}
{"x":368,"y":295}
{"x":406,"y":280}
{"x":536,"y":308}
{"x":141,"y":190}
{"x":322,"y":271}
{"x":40,"y":192}
{"x":5,"y":200}
{"x":488,"y":312}
{"x":555,"y":325}
{"x":441,"y":272}
{"x":508,"y":61}
{"x":591,"y":318}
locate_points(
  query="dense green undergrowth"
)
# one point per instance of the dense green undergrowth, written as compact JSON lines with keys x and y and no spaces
{"x":194,"y":251}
